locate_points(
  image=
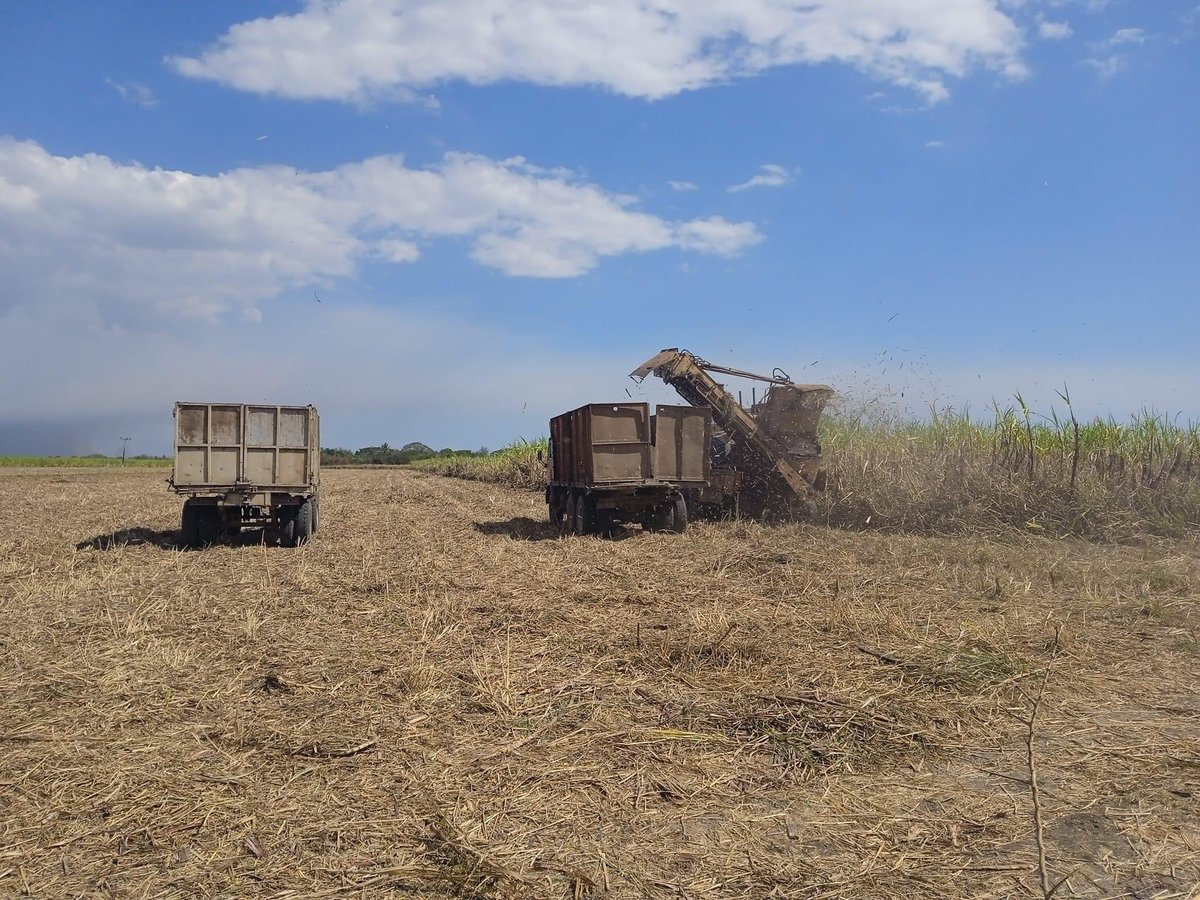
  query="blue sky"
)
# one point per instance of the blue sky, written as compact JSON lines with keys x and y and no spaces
{"x":505,"y":206}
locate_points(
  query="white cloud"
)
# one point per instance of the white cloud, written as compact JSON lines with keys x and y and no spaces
{"x":382,"y":49}
{"x":1092,"y":6}
{"x":1054,"y":31}
{"x":935,"y":145}
{"x":682,"y":185}
{"x":132,"y":92}
{"x":126,"y":239}
{"x":769,"y":175}
{"x":397,"y":251}
{"x":717,"y":235}
{"x":1127,"y":36}
{"x":1105,"y":66}
{"x":1111,"y":55}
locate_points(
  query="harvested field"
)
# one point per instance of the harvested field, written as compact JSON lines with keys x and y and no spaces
{"x":438,"y":698}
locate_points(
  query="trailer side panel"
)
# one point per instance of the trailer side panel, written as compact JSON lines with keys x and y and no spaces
{"x":682,"y":444}
{"x":246,"y":447}
{"x":602,"y":443}
{"x":620,"y":443}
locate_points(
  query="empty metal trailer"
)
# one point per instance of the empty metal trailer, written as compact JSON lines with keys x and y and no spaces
{"x":243,"y":465}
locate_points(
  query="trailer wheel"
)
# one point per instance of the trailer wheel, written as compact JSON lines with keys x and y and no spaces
{"x":557,"y":513}
{"x":585,"y":515}
{"x":189,"y":532}
{"x":605,"y":523}
{"x":679,"y":519}
{"x":287,"y":526}
{"x":303,"y":527}
{"x":567,"y":524}
{"x":660,"y":518}
{"x":208,"y":526}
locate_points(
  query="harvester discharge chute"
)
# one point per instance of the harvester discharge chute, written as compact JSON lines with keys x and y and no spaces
{"x":771,"y":462}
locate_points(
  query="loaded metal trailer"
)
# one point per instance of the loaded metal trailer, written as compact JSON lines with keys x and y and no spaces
{"x":247,"y":465}
{"x":615,"y":463}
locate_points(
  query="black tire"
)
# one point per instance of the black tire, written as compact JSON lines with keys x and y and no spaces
{"x":604,"y":523}
{"x":660,"y":518}
{"x":287,"y":526}
{"x":210,"y":524}
{"x":568,"y":521}
{"x":189,"y":531}
{"x":556,"y":512}
{"x":303,"y":527}
{"x":679,"y":516}
{"x":585,"y":515}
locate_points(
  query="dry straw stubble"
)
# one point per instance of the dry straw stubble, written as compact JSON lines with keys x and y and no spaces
{"x":438,"y":697}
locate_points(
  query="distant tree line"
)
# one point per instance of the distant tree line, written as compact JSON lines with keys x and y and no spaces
{"x":385,"y":455}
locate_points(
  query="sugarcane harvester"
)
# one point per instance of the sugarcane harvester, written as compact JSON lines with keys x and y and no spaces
{"x":766,"y":459}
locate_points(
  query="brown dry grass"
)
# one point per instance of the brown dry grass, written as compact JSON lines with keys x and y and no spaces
{"x":435,"y":698}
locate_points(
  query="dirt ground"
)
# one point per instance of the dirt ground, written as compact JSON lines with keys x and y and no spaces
{"x":436,"y":697}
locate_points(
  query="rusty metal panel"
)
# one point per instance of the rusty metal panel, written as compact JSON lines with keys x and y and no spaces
{"x":619,"y":423}
{"x":563,"y":450}
{"x":260,"y":426}
{"x":292,"y":467}
{"x":620,"y":463}
{"x":190,"y":464}
{"x":225,"y":426}
{"x":223,"y":465}
{"x":558,"y":451}
{"x":192,"y":424}
{"x":659,"y":359}
{"x":620,"y":443}
{"x":581,"y":444}
{"x":260,"y":465}
{"x":293,"y":427}
{"x":681,"y":444}
{"x":792,"y":413}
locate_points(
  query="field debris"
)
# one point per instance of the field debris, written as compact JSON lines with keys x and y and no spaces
{"x":415,"y":704}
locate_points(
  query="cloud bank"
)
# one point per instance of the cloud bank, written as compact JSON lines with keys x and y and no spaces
{"x":769,"y":175}
{"x":357,"y":50}
{"x":125,"y":236}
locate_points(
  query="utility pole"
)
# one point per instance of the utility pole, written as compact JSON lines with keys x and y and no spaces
{"x":124,"y":443}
